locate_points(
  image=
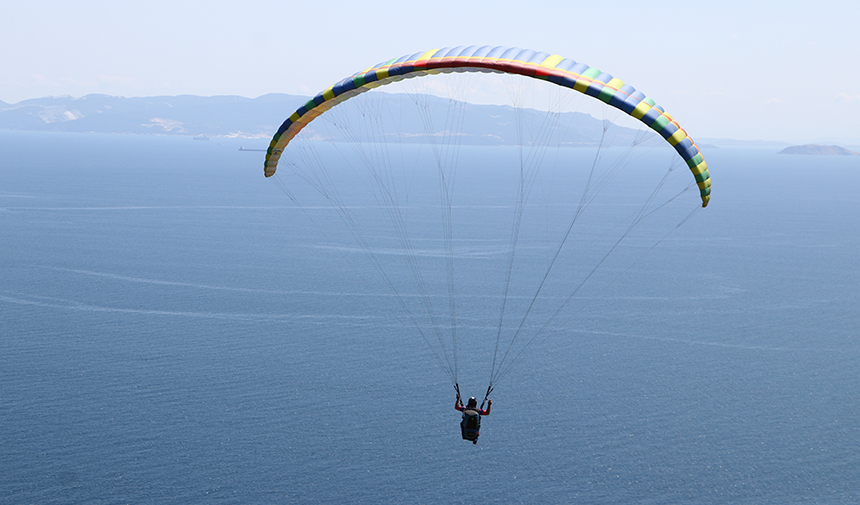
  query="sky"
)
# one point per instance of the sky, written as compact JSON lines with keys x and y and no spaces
{"x":785,"y":70}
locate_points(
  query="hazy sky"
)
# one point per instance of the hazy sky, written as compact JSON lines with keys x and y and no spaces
{"x":786,"y":70}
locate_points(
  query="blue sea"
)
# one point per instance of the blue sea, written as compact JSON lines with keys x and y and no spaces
{"x":174,"y":328}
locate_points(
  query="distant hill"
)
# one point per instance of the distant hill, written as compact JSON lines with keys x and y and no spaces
{"x":818,"y":150}
{"x":234,"y":116}
{"x":724,"y":142}
{"x":171,"y":115}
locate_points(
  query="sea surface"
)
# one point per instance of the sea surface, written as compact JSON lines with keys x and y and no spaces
{"x":175,"y":328}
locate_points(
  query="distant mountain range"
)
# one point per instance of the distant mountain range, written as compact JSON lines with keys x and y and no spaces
{"x":234,"y":116}
{"x":167,"y":115}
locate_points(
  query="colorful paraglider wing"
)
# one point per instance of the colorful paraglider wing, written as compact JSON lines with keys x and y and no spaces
{"x":550,"y":67}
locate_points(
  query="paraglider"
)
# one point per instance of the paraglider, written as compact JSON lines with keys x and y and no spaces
{"x":470,"y":425}
{"x":539,"y":293}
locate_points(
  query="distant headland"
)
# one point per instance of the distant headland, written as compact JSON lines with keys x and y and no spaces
{"x":818,"y":149}
{"x":258,"y":118}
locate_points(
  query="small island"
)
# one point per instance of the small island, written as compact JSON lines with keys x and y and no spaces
{"x":818,"y":149}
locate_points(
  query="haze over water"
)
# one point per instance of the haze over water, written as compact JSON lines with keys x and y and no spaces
{"x":172,"y":331}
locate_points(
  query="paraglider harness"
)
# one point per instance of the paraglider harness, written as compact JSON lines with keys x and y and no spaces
{"x":470,"y":426}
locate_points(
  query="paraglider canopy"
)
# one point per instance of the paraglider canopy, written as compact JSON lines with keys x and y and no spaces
{"x":539,"y":65}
